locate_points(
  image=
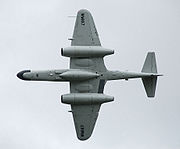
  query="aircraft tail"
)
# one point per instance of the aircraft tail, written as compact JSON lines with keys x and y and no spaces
{"x":151,"y":81}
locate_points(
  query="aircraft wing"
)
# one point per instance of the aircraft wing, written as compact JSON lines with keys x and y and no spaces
{"x":85,"y":117}
{"x":85,"y":33}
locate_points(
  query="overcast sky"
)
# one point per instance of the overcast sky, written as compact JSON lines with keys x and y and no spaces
{"x":31,"y":35}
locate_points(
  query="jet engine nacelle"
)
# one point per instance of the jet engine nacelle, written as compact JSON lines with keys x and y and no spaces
{"x":85,"y":98}
{"x":86,"y":51}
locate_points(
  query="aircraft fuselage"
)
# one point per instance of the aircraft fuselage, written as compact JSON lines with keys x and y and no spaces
{"x":78,"y":75}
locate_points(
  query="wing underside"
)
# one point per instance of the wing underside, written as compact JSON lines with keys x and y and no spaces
{"x":85,"y":33}
{"x":85,"y":117}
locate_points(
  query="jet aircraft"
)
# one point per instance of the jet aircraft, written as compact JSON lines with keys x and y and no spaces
{"x":88,"y":75}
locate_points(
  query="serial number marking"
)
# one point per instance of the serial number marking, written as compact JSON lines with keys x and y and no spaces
{"x":82,"y":19}
{"x":82,"y":130}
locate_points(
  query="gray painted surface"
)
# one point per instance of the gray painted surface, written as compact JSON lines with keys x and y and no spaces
{"x":85,"y":33}
{"x":31,"y":115}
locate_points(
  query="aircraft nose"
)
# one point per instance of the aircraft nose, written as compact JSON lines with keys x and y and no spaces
{"x":20,"y":74}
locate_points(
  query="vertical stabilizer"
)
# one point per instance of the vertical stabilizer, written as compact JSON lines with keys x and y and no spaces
{"x":150,"y":67}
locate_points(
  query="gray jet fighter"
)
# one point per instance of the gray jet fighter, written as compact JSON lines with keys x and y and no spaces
{"x":88,"y":75}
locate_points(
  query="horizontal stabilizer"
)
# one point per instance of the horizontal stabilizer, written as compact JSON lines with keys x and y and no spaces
{"x":150,"y":85}
{"x":150,"y":63}
{"x":150,"y":67}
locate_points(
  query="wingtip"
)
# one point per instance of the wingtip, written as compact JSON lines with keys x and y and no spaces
{"x":83,"y":138}
{"x":84,"y":11}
